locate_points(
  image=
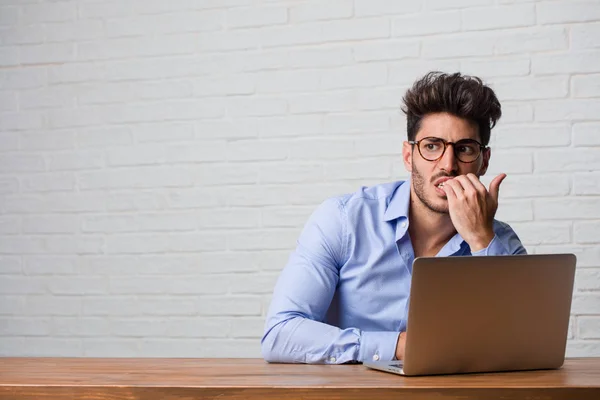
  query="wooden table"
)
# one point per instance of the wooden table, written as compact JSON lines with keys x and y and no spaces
{"x":147,"y":378}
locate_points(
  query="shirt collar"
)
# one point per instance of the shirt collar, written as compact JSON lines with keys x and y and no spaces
{"x":398,"y":204}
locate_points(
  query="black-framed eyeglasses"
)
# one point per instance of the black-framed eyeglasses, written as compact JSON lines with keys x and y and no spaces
{"x":433,"y":148}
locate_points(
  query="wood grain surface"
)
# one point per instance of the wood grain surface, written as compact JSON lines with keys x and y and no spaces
{"x":181,"y":378}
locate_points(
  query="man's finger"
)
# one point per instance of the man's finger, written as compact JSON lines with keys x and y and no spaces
{"x":477,"y":183}
{"x":453,"y":189}
{"x":466,"y":184}
{"x":495,"y":186}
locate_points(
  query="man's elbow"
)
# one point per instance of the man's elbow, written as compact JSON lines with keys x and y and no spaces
{"x":267,"y":348}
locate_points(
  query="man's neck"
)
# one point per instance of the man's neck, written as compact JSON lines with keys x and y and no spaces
{"x":429,"y":230}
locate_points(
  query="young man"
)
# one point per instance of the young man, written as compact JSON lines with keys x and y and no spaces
{"x":343,"y":296}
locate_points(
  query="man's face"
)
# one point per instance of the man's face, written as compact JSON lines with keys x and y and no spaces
{"x":426,"y":175}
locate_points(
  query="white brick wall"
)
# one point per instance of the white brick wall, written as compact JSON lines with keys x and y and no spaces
{"x":159,"y":158}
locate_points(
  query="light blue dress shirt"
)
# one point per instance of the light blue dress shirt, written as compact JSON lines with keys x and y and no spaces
{"x":343,"y":295}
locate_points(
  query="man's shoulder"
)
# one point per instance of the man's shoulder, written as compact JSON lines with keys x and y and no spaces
{"x":371,"y":197}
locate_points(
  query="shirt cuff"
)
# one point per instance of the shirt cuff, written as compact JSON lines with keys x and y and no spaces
{"x":378,"y":346}
{"x":494,"y":248}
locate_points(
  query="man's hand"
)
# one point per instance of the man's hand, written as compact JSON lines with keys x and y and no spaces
{"x":400,"y":346}
{"x":472,"y":208}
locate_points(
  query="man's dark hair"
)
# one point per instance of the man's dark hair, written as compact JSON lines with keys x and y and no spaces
{"x":461,"y":95}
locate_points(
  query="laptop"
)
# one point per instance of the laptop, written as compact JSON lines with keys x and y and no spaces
{"x":486,"y":314}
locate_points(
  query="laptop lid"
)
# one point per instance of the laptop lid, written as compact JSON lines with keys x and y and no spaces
{"x":491,"y":313}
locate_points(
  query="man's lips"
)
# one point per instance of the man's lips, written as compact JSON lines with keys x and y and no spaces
{"x":440,"y":181}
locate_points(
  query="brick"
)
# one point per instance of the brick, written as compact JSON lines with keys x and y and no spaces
{"x":538,"y":135}
{"x":243,"y":84}
{"x":568,"y":208}
{"x":49,"y":97}
{"x":586,"y":183}
{"x":539,"y":39}
{"x":586,"y":134}
{"x":152,"y":154}
{"x":382,"y":7}
{"x":386,"y":50}
{"x":228,"y":306}
{"x":586,"y":232}
{"x":10,"y":56}
{"x":81,"y":327}
{"x":136,"y":201}
{"x":532,"y":88}
{"x":587,"y":256}
{"x":568,"y":160}
{"x":12,"y":304}
{"x":253,"y":283}
{"x":180,"y":198}
{"x":514,"y":210}
{"x":158,"y":243}
{"x":256,"y":106}
{"x":292,"y":125}
{"x":290,"y":173}
{"x":173,"y":22}
{"x":272,"y":239}
{"x":51,"y":265}
{"x":248,"y":327}
{"x":232,"y":40}
{"x":289,"y":81}
{"x":22,"y":120}
{"x":577,"y":62}
{"x":23,"y":285}
{"x":319,"y":149}
{"x":285,"y":217}
{"x":51,"y":245}
{"x":105,"y":49}
{"x":140,"y":222}
{"x":51,"y":224}
{"x":316,"y":10}
{"x":73,"y":31}
{"x":212,"y":262}
{"x":133,"y":91}
{"x":448,"y":4}
{"x":367,"y":75}
{"x":69,"y":285}
{"x":457,"y":45}
{"x":587,"y":279}
{"x":585,"y":348}
{"x":163,"y":132}
{"x":48,"y":12}
{"x":588,"y":328}
{"x":167,"y":306}
{"x":10,"y":225}
{"x":17,"y":326}
{"x":553,"y":12}
{"x":238,"y":218}
{"x":496,"y":67}
{"x":9,"y":141}
{"x":516,"y":112}
{"x":48,"y":140}
{"x":253,"y":150}
{"x":77,"y":160}
{"x":510,"y":162}
{"x":9,"y":185}
{"x":426,"y":24}
{"x":104,"y":137}
{"x":585,"y":304}
{"x":324,"y":102}
{"x":30,"y":346}
{"x":373,"y":168}
{"x":256,"y":16}
{"x":105,"y":347}
{"x":585,"y":36}
{"x":141,"y":177}
{"x":500,"y":17}
{"x":231,"y":129}
{"x":55,"y":202}
{"x":585,"y":86}
{"x":226,"y":174}
{"x":10,"y":265}
{"x":8,"y":101}
{"x":112,"y":306}
{"x":9,"y":15}
{"x":50,"y":305}
{"x":355,"y":29}
{"x":77,"y":73}
{"x":25,"y":77}
{"x":561,"y":110}
{"x":47,"y":53}
{"x":55,"y":182}
{"x":539,"y":233}
{"x":21,"y":163}
{"x":107,"y":265}
{"x":520,"y":186}
{"x":379,"y":145}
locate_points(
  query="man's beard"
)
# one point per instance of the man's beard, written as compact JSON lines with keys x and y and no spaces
{"x":419,"y":183}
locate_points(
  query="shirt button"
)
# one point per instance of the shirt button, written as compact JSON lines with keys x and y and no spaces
{"x":403,"y":224}
{"x":332,"y":359}
{"x":376,"y":357}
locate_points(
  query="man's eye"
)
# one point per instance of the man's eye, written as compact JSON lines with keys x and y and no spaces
{"x":431,"y":146}
{"x":466,"y":149}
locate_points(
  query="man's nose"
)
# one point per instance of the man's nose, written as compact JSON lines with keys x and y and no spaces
{"x":448,"y":162}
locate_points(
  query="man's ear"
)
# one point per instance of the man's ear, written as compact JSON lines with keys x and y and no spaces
{"x":487,"y":153}
{"x":407,"y":150}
